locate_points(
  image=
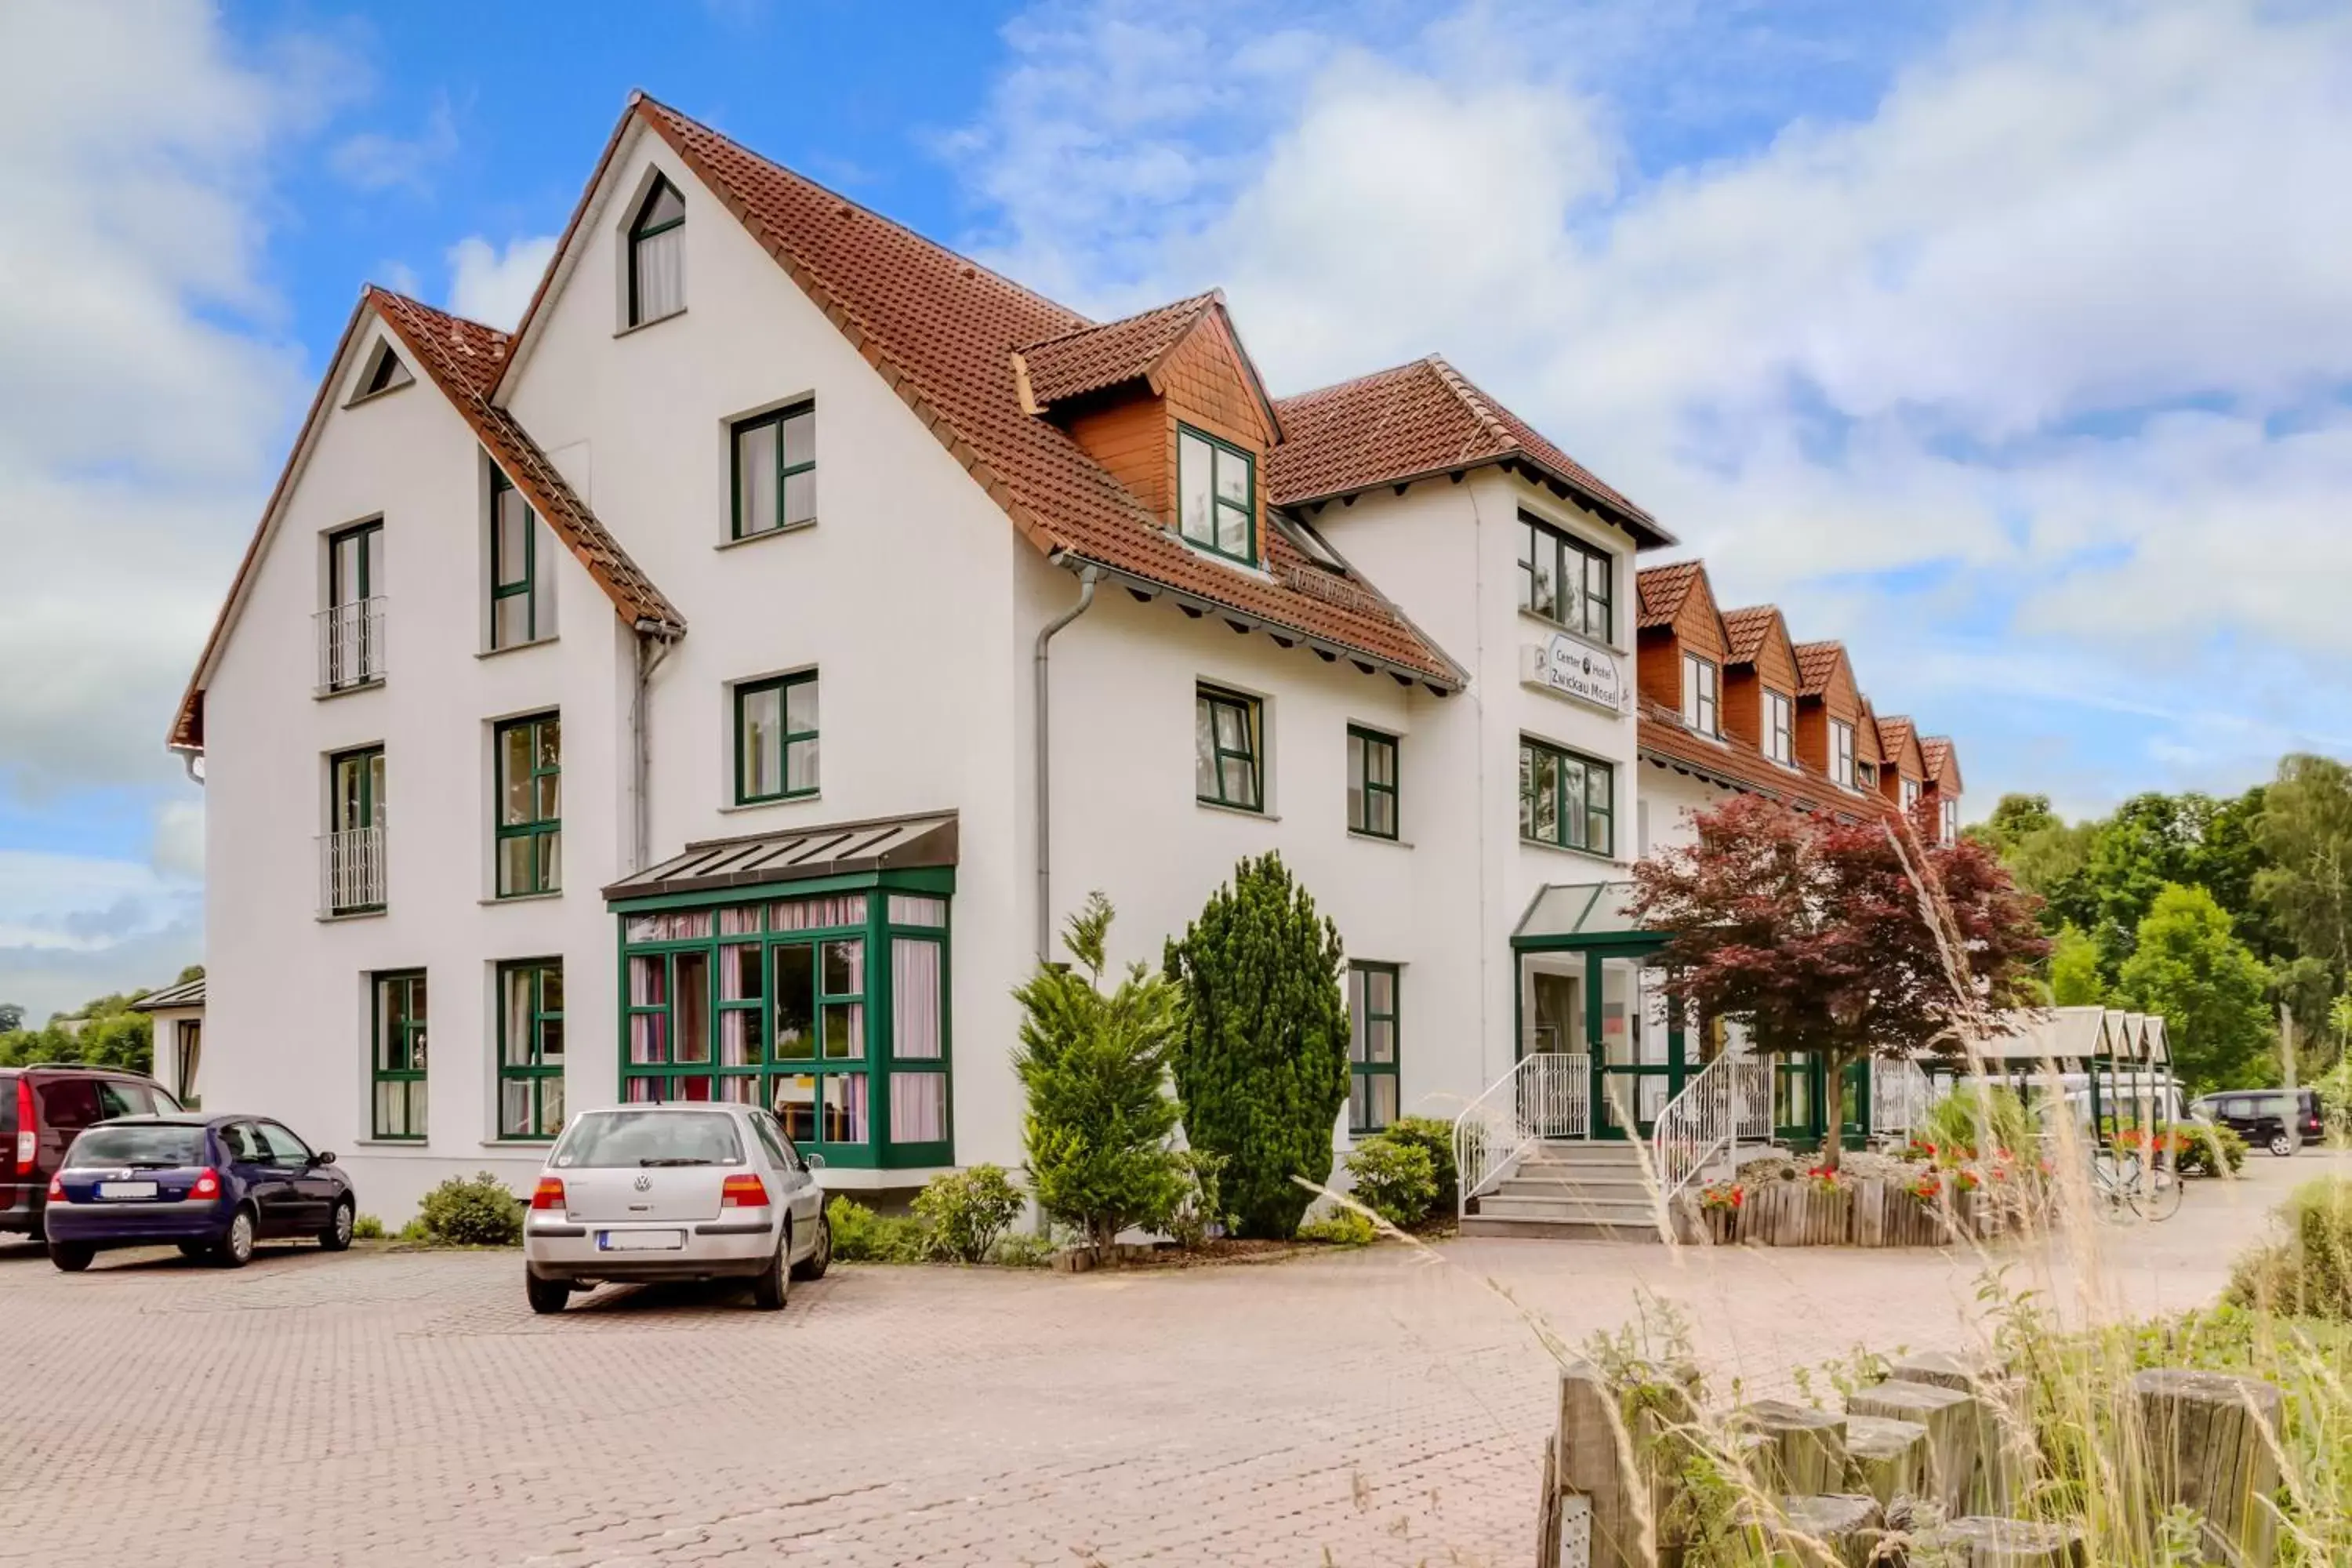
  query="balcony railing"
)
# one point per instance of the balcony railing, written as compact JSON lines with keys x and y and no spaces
{"x":351,"y":645}
{"x":351,"y":871}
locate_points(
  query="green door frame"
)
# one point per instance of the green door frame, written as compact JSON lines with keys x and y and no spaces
{"x":1598,"y":948}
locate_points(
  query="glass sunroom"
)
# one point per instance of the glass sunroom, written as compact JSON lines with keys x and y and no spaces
{"x":806,"y":972}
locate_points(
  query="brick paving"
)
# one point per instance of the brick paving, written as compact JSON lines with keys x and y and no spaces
{"x":1376,"y":1407}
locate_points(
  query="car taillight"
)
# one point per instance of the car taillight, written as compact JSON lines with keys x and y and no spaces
{"x":744,"y":1192}
{"x":29,"y":1140}
{"x":207,"y":1184}
{"x":548,"y":1194}
{"x":57,"y":1189}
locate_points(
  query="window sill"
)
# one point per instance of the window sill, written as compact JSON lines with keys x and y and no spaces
{"x":328,"y":693}
{"x":1219,"y":806}
{"x":1527,"y":843}
{"x":517,"y":647}
{"x":525,"y":1143}
{"x":765,"y":535}
{"x":742,"y":806}
{"x":380,"y":392}
{"x":415,"y":1145}
{"x":340,"y":916}
{"x":1388,"y":838}
{"x":1233,"y":562}
{"x":657,"y":321}
{"x":521,"y":898}
{"x":1597,"y":644}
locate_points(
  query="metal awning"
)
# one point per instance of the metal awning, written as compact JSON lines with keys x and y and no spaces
{"x":185,"y":994}
{"x":800,"y":855}
{"x":1577,"y":908}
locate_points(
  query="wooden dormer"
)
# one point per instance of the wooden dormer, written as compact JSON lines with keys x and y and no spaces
{"x":1939,"y":763}
{"x":1901,"y":760}
{"x":1826,"y":695}
{"x":1678,"y":616}
{"x":1148,"y":393}
{"x":1760,"y":659}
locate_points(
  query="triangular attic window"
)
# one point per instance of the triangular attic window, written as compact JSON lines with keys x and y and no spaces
{"x":384,"y":373}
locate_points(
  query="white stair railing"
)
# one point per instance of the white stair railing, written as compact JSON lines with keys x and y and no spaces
{"x":1728,"y":1103}
{"x":1900,"y":1095}
{"x":1548,"y":1094}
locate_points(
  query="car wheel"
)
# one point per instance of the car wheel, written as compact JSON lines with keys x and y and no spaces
{"x":820,"y":1258}
{"x":336,"y":1236}
{"x":235,"y":1247}
{"x":546,"y":1295}
{"x":70,"y":1259}
{"x":2282,"y":1145}
{"x":773,"y":1285}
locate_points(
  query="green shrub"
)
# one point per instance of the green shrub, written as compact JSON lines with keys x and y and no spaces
{"x":472,"y":1211}
{"x":2309,"y":1274}
{"x":1094,"y":1065}
{"x":1202,"y":1206}
{"x":1437,"y":1137}
{"x":1394,"y":1180}
{"x":1262,"y":1064}
{"x":2208,"y":1150}
{"x":367,"y":1227}
{"x":962,"y":1213}
{"x":1981,"y":1117}
{"x":1340,"y":1227}
{"x":1021,"y":1250}
{"x":861,"y":1236}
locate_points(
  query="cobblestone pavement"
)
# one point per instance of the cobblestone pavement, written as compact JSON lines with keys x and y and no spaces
{"x":1376,"y":1407}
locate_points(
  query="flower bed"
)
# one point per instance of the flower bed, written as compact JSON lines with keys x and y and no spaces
{"x":1921,"y":1198}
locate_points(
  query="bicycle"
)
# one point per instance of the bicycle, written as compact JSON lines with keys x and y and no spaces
{"x":2126,"y":1186}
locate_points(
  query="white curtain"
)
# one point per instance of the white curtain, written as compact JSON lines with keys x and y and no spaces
{"x":918,"y":1107}
{"x":661,"y":274}
{"x":915,"y":999}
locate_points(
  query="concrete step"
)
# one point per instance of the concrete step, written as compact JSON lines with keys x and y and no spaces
{"x":1588,"y":1153}
{"x":1555,"y":1230}
{"x":1610,"y":1211}
{"x":1632,"y":1186}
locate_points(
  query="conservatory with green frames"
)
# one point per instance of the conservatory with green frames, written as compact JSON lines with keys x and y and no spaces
{"x":805,"y":972}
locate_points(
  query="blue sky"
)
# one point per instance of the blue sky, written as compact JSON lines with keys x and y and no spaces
{"x":2010,"y":343}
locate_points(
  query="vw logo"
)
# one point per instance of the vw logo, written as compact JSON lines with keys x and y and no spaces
{"x":645,"y":1183}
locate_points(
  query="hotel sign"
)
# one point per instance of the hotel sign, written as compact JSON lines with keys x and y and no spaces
{"x":1564,"y":667}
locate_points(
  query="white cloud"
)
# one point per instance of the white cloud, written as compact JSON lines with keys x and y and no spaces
{"x":377,"y":161}
{"x":495,"y":288}
{"x":2051,"y":327}
{"x":178,"y":851}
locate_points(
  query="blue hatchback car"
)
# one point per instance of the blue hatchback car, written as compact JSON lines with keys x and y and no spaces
{"x":212,"y":1186}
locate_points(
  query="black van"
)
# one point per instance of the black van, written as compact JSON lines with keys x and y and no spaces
{"x":41,"y":1109}
{"x":2263,"y":1117}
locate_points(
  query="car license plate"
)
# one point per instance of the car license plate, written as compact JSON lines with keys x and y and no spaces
{"x":126,"y":1189}
{"x":640,"y":1240}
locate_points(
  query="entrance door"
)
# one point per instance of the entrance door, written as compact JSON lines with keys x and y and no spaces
{"x":1637,"y":1057}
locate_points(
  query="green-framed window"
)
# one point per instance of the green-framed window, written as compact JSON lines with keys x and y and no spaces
{"x":1565,"y":580}
{"x":352,"y":647}
{"x":829,"y":1009}
{"x":1371,"y":782}
{"x":351,"y":866}
{"x":529,"y":810}
{"x":397,"y":1056}
{"x":1566,"y":800}
{"x":531,"y":1048}
{"x":775,"y":470}
{"x":776,"y":738}
{"x":1216,"y":495}
{"x":1228,"y":749}
{"x":658,"y":255}
{"x":1372,"y":1012}
{"x":522,"y":598}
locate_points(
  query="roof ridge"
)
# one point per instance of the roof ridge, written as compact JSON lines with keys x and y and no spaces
{"x":1475,"y":400}
{"x":413,"y":302}
{"x":1407,"y":366}
{"x":639,"y":98}
{"x":1199,"y":303}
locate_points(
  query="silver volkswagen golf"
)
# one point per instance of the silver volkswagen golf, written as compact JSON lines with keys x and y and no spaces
{"x":675,"y":1192}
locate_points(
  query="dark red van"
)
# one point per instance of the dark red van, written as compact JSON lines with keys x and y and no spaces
{"x":41,"y":1109}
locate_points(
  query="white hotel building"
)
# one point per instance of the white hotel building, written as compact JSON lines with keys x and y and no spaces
{"x":662,"y":701}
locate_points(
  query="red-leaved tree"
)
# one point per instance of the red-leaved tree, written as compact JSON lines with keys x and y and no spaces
{"x":1842,"y":939}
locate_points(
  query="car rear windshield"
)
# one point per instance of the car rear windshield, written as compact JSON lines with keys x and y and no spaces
{"x":163,"y":1145}
{"x":607,"y":1138}
{"x":7,"y":1104}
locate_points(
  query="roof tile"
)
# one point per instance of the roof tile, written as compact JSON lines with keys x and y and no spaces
{"x":1092,"y":359}
{"x":1747,"y":628}
{"x":1663,"y":590}
{"x":1816,"y":663}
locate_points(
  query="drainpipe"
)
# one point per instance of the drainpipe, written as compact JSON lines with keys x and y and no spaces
{"x":653,"y":644}
{"x":1088,"y":576}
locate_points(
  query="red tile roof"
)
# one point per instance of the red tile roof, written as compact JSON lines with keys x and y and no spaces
{"x":1412,"y":422}
{"x":1746,"y":629}
{"x":1937,"y":759}
{"x":1662,"y":589}
{"x":464,"y":358}
{"x":1664,"y":738}
{"x":1894,"y":735}
{"x":1816,"y":662}
{"x":1091,"y":359}
{"x":942,"y":331}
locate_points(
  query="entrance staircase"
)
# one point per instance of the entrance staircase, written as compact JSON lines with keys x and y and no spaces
{"x":1571,"y":1189}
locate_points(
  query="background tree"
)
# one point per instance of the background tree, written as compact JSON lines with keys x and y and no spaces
{"x":2046,"y":857}
{"x":2074,"y":978}
{"x":1094,"y":1065}
{"x":1262,"y":1067}
{"x":1814,"y":933}
{"x":12,"y":1018}
{"x":2190,"y":966}
{"x":107,"y":1034}
{"x":2305,"y":833}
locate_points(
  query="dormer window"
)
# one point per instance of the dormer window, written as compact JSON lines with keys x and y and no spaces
{"x":1951,"y":820}
{"x":1702,"y":696}
{"x":1779,"y":728}
{"x":1216,"y":493}
{"x":1865,"y":774}
{"x":1841,"y":752}
{"x":1910,"y":794}
{"x":657,"y":256}
{"x":383,"y":373}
